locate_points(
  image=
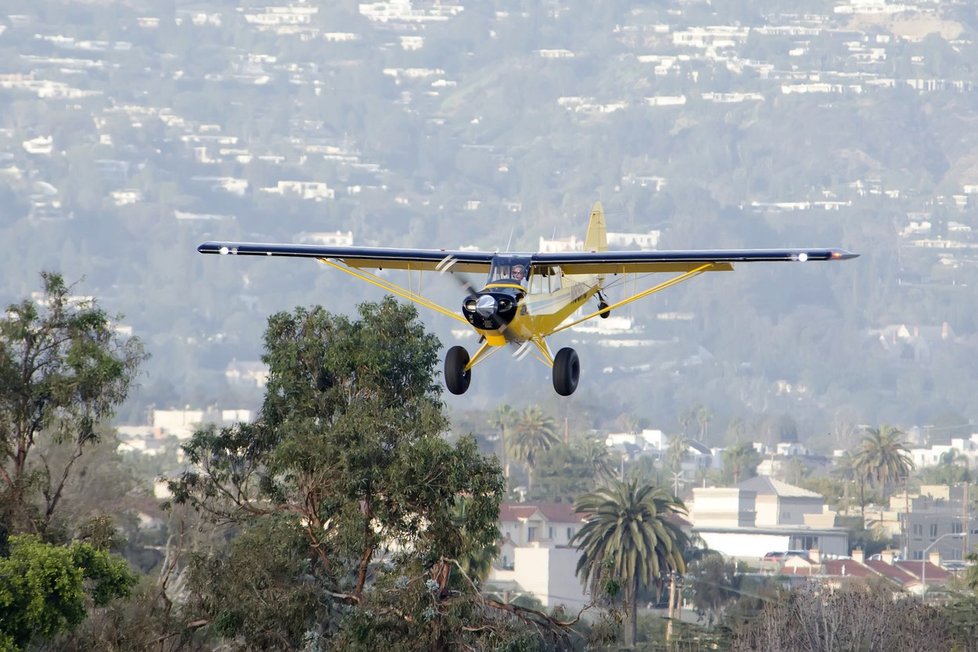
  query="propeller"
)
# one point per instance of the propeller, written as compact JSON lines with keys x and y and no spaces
{"x":486,"y":305}
{"x":466,"y":284}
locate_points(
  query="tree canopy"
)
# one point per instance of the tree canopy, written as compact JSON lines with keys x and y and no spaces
{"x":349,"y":508}
{"x":44,"y":587}
{"x":64,"y":371}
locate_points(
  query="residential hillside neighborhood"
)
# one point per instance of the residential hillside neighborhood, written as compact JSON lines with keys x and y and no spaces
{"x":138,"y":131}
{"x":257,"y":452}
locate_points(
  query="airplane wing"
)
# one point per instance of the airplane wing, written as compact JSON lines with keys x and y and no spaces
{"x":437,"y":260}
{"x":631,"y":262}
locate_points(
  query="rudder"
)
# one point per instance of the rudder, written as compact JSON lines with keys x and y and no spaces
{"x":597,"y":234}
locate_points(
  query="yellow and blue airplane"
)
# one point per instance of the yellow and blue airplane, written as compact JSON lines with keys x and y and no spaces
{"x":527,"y":297}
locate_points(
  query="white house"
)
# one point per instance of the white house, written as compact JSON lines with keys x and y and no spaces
{"x":545,"y":572}
{"x":536,"y":557}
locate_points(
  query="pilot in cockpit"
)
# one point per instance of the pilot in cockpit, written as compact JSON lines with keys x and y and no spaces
{"x":519,"y":273}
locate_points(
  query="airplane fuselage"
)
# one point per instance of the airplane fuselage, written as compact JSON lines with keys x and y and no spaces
{"x":523,"y":311}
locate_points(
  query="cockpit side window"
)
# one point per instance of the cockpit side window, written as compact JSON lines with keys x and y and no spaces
{"x":545,"y":279}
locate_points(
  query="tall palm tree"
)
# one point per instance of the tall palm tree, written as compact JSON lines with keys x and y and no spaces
{"x":847,"y":471}
{"x":676,"y":452}
{"x":596,"y":457}
{"x":533,"y":432}
{"x":703,"y":418}
{"x":628,"y":541}
{"x":685,"y":418}
{"x":740,"y":461}
{"x":884,"y":457}
{"x":503,"y":418}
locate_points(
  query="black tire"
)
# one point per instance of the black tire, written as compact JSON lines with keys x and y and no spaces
{"x":567,"y":371}
{"x":601,"y":306}
{"x":457,"y":379}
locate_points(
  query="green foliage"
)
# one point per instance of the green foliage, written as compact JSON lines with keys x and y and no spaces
{"x":739,"y":463}
{"x":533,"y":433}
{"x":711,"y":583}
{"x":353,"y":521}
{"x":871,"y":539}
{"x":43,"y":587}
{"x":962,"y":614}
{"x":562,"y":474}
{"x":971,"y":576}
{"x":63,"y":371}
{"x":953,"y":469}
{"x":884,"y":457}
{"x":260,"y":589}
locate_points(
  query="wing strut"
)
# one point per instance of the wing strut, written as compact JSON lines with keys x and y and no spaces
{"x":373,"y":279}
{"x":641,"y":295}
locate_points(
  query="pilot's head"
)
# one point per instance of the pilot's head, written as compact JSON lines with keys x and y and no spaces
{"x":518,"y":272}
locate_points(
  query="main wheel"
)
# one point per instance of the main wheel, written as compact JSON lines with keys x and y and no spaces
{"x":601,"y":306}
{"x":457,"y":378}
{"x":567,"y":371}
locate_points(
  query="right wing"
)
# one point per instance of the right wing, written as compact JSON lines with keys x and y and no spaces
{"x":718,"y":260}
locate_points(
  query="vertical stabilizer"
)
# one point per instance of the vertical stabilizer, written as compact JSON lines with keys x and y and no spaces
{"x":597,"y":234}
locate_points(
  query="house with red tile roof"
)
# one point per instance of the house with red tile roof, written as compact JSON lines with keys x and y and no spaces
{"x":554,"y":523}
{"x":906,"y":576}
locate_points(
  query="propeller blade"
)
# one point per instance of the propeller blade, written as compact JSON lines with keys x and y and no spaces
{"x":465,"y":283}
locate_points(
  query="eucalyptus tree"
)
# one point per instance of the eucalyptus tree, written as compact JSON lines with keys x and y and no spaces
{"x":63,"y":372}
{"x":629,"y":542}
{"x":534,"y":431}
{"x":347,"y":502}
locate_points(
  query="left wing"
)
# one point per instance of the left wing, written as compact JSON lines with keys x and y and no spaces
{"x":428,"y":260}
{"x":631,"y":262}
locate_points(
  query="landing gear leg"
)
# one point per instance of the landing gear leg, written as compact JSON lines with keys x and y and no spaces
{"x":602,"y":304}
{"x":567,"y":371}
{"x":457,"y":378}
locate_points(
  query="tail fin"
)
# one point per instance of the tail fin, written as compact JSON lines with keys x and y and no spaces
{"x":597,"y":234}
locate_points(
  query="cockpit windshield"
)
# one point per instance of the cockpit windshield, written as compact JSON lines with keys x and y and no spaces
{"x":510,"y":269}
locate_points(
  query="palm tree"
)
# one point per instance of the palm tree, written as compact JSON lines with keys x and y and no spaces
{"x":884,"y":457}
{"x":675,"y":456}
{"x":628,"y":541}
{"x":595,"y":456}
{"x":685,"y":417}
{"x":533,"y":432}
{"x":503,"y":418}
{"x":676,"y":452}
{"x":954,"y":467}
{"x":847,"y":471}
{"x":740,"y":461}
{"x":703,"y":417}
